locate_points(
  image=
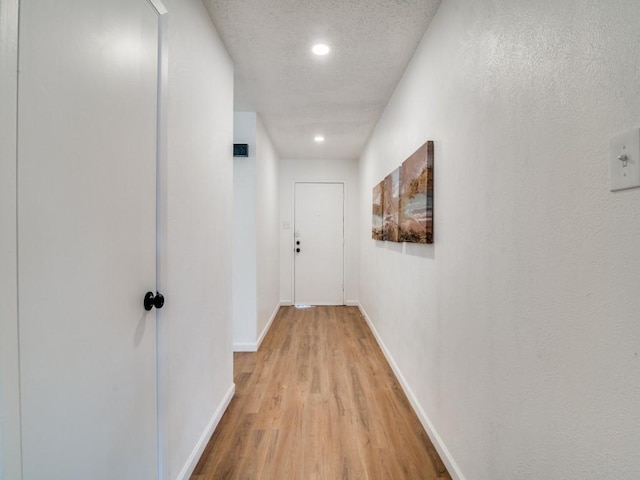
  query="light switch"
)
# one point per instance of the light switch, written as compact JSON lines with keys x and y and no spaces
{"x":625,"y":160}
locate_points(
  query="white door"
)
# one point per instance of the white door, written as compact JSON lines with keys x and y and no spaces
{"x":319,"y":244}
{"x":86,"y":238}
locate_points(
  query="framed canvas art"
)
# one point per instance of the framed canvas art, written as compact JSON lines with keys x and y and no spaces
{"x":391,"y":206}
{"x":377,"y":215}
{"x":416,"y":197}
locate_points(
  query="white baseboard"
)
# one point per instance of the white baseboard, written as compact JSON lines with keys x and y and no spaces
{"x":439,"y":445}
{"x":254,"y":346}
{"x":245,"y":347}
{"x":267,"y":326}
{"x":286,"y":303}
{"x":352,"y":303}
{"x":193,"y":459}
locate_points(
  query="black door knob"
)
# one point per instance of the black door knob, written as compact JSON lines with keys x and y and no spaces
{"x":297,"y":250}
{"x":158,"y":302}
{"x":298,"y":242}
{"x":151,"y":301}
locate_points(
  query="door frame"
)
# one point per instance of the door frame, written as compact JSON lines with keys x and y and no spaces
{"x":10,"y":430}
{"x":344,"y":184}
{"x":162,"y":367}
{"x":162,"y":394}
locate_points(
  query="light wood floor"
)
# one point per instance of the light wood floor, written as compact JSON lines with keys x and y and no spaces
{"x":318,"y":401}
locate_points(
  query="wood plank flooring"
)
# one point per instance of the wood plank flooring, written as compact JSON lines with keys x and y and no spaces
{"x":318,"y":401}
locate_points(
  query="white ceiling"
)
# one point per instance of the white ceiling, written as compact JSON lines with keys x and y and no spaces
{"x":297,"y":94}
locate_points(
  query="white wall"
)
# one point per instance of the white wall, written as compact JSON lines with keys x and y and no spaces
{"x":319,"y":170}
{"x":197,"y":361}
{"x":267,"y":230}
{"x":256,"y":235}
{"x":10,"y":461}
{"x":517,"y":332}
{"x":244,"y":233}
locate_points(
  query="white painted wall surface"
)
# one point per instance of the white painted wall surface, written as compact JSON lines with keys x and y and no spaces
{"x":10,"y":460}
{"x":244,"y":232}
{"x":518,"y":330}
{"x":195,"y":323}
{"x":267,"y":230}
{"x":256,"y":237}
{"x":320,"y":170}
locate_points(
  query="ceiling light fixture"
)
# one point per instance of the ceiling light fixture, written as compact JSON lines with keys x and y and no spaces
{"x":320,"y":49}
{"x":318,"y":138}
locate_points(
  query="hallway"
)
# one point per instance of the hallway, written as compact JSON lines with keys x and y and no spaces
{"x":318,"y":401}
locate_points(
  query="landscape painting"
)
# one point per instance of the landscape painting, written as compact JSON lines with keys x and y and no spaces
{"x":391,"y":206}
{"x":416,"y":197}
{"x":377,"y":219}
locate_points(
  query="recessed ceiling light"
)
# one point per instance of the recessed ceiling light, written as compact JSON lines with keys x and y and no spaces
{"x":318,"y":138}
{"x":320,"y":49}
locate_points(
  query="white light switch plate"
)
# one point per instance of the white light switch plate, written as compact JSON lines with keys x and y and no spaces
{"x":625,"y":160}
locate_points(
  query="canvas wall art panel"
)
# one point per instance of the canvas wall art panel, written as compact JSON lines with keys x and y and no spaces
{"x":416,"y":197}
{"x":391,"y":206}
{"x":377,"y":218}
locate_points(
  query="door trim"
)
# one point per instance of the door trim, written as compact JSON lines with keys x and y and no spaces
{"x":10,"y":429}
{"x":345,"y":245}
{"x":162,"y":394}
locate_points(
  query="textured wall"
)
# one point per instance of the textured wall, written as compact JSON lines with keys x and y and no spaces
{"x":256,"y":243}
{"x":267,"y":232}
{"x":244,"y":232}
{"x":518,"y":331}
{"x":197,"y":361}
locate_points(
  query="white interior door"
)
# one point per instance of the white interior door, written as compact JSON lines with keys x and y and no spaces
{"x":319,"y":244}
{"x":87,"y":118}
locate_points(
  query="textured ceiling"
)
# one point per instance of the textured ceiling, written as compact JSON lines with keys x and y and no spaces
{"x":299,"y":95}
